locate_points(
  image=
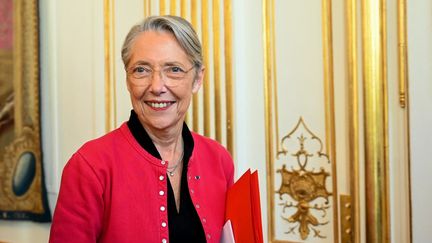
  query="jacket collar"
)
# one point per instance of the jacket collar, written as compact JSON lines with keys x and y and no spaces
{"x":142,"y":137}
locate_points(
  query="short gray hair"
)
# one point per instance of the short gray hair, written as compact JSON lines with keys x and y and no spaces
{"x":179,"y":27}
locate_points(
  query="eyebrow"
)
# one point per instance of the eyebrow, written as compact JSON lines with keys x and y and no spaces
{"x":167,"y":64}
{"x":174,"y":64}
{"x":140,"y":62}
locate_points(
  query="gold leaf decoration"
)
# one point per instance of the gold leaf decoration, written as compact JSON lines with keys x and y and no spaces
{"x":303,"y":187}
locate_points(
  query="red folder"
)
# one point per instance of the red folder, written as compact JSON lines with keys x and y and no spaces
{"x":244,"y":210}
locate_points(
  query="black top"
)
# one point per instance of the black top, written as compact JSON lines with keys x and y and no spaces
{"x":185,"y":225}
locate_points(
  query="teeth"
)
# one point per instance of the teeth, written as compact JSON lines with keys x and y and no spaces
{"x":159,"y":105}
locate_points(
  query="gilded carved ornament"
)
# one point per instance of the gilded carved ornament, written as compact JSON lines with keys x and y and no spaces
{"x":303,"y":187}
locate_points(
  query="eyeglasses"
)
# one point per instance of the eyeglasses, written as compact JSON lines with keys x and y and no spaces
{"x":142,"y":74}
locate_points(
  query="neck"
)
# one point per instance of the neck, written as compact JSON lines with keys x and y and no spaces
{"x":169,"y":143}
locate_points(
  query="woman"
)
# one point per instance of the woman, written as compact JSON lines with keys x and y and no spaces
{"x":150,"y":180}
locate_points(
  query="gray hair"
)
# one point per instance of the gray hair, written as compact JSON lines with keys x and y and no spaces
{"x":179,"y":27}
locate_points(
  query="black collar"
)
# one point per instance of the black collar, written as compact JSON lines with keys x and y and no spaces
{"x":146,"y":143}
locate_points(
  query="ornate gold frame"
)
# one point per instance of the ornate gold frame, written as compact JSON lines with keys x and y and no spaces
{"x":22,"y":158}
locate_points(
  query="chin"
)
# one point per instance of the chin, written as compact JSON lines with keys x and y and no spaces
{"x":162,"y":124}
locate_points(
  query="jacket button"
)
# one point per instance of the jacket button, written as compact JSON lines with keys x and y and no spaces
{"x":208,"y":236}
{"x":197,"y":206}
{"x":162,"y":208}
{"x":161,"y":178}
{"x":164,"y":224}
{"x":164,"y":241}
{"x":163,"y":162}
{"x":204,"y":220}
{"x":161,"y":193}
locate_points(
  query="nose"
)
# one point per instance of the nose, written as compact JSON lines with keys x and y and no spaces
{"x":157,"y":85}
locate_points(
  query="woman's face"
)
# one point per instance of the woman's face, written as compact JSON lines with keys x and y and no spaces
{"x":166,"y":80}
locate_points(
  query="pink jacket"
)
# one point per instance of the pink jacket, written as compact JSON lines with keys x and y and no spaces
{"x":112,"y":190}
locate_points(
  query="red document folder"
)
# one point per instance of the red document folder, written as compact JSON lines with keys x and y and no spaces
{"x":244,"y":210}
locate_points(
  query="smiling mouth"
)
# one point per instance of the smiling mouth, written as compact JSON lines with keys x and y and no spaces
{"x":159,"y":105}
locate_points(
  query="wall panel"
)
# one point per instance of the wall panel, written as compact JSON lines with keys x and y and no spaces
{"x":300,"y":132}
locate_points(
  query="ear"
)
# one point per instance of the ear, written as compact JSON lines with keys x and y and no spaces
{"x":198,"y":80}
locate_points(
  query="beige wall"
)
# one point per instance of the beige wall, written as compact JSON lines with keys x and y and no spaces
{"x":420,"y":73}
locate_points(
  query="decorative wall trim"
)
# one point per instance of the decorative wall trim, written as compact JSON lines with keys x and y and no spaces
{"x":268,"y":6}
{"x":330,"y":105}
{"x":353,"y":116}
{"x":216,"y":70}
{"x":195,"y":98}
{"x":110,"y":81}
{"x":147,"y":8}
{"x":229,"y":87}
{"x":402,"y":51}
{"x":346,"y":219}
{"x":376,"y":121}
{"x":205,"y":39}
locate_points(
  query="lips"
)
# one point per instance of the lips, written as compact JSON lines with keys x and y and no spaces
{"x":159,"y":105}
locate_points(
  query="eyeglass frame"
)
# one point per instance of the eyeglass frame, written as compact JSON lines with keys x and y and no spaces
{"x":130,"y":71}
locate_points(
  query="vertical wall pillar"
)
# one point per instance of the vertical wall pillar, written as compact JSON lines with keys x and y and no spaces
{"x":375,"y":121}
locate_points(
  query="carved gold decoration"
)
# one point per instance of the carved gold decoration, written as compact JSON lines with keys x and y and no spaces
{"x":31,"y":200}
{"x":346,"y":219}
{"x":304,"y":185}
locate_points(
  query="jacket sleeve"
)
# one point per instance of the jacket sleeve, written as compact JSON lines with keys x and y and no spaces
{"x":229,"y":167}
{"x":79,"y":212}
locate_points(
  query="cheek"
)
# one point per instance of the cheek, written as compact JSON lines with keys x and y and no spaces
{"x":135,"y":92}
{"x":185,"y":93}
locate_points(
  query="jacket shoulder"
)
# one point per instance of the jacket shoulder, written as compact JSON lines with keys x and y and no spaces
{"x":104,"y":142}
{"x":202,"y":142}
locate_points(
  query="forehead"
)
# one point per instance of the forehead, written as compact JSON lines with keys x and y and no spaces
{"x":157,"y":47}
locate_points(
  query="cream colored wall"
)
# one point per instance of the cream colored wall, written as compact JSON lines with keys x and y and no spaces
{"x":249,"y":94}
{"x":420,"y":74}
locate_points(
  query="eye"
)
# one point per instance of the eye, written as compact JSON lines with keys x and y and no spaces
{"x":175,"y":69}
{"x":141,"y":70}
